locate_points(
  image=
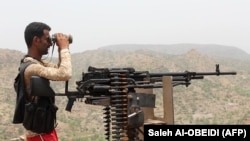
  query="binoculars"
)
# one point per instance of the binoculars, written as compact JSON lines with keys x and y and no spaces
{"x":53,"y":38}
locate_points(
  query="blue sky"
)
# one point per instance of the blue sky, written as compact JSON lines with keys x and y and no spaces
{"x":98,"y":23}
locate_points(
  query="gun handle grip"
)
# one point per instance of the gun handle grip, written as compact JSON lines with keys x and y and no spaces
{"x":70,"y":104}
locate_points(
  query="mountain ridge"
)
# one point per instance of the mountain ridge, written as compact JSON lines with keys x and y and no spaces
{"x":177,"y":49}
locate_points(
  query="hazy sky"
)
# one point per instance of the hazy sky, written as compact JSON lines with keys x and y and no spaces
{"x":98,"y":23}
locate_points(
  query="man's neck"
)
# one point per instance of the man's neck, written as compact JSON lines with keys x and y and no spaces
{"x":37,"y":57}
{"x":34,"y":54}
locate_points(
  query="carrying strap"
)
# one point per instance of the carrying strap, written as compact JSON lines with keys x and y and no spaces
{"x":22,"y":68}
{"x":21,"y":84}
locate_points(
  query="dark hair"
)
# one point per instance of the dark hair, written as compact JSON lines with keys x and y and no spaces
{"x":34,"y":29}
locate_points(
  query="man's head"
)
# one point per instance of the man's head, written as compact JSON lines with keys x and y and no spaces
{"x":37,"y":35}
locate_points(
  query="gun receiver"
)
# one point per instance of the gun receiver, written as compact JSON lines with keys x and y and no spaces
{"x":114,"y":88}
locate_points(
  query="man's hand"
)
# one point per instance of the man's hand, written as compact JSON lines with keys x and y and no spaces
{"x":62,"y":41}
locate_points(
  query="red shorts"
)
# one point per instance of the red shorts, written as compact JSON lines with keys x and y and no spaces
{"x":52,"y":136}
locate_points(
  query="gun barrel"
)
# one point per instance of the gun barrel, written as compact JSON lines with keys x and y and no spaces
{"x":216,"y":73}
{"x":190,"y":74}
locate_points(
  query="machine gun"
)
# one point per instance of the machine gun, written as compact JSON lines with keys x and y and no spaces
{"x":115,"y":89}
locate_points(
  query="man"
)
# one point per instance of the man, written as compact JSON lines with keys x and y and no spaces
{"x":38,"y":41}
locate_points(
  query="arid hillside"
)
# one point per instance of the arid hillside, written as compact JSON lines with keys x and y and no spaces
{"x":212,"y":100}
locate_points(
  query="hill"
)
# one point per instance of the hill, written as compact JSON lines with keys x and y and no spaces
{"x":213,"y":100}
{"x":209,"y":49}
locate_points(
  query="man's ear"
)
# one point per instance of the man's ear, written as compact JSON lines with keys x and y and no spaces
{"x":35,"y":40}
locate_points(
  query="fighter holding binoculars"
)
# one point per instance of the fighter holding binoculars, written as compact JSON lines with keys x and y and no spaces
{"x":38,"y":114}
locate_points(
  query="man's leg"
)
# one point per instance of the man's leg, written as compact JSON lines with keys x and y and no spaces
{"x":52,"y":136}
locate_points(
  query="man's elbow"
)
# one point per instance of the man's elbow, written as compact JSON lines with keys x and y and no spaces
{"x":67,"y":76}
